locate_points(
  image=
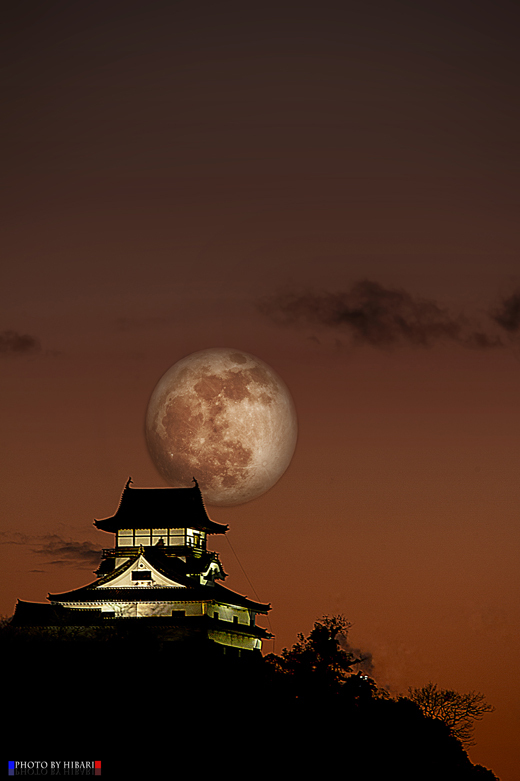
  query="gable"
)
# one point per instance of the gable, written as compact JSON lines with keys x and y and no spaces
{"x":140,"y":574}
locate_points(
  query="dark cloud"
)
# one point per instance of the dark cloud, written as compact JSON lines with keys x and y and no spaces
{"x":65,"y":552}
{"x":507,"y":314}
{"x":56,"y":550}
{"x":13,"y":343}
{"x":382,"y":317}
{"x":480,"y":340}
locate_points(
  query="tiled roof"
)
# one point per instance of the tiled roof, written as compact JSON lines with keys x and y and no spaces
{"x":190,"y":593}
{"x":37,"y":614}
{"x":170,"y":508}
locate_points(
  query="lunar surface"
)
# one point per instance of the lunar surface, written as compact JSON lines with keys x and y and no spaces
{"x":225,"y":418}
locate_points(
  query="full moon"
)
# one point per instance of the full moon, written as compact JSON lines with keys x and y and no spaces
{"x":227,"y":419}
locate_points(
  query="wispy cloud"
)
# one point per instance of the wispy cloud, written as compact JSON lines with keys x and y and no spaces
{"x":14,"y":343}
{"x":56,"y":550}
{"x":373,"y":314}
{"x":507,"y":313}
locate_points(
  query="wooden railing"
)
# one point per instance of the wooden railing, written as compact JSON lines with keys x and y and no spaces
{"x":133,"y":550}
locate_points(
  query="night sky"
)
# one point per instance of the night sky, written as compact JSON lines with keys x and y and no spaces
{"x":332,"y":187}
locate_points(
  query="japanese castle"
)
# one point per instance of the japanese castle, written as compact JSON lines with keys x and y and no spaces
{"x":160,"y":572}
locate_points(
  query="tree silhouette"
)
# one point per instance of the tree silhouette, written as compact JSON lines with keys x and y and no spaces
{"x":458,"y":711}
{"x":305,"y":703}
{"x":317,"y":665}
{"x":313,"y":692}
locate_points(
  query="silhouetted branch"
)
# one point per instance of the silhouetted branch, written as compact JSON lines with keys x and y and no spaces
{"x":457,"y":711}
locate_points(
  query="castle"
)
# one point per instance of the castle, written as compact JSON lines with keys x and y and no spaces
{"x":160,"y":573}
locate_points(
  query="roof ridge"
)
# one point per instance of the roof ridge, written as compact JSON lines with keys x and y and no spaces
{"x":167,"y":506}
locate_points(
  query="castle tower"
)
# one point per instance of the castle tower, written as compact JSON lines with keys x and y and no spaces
{"x":160,"y":572}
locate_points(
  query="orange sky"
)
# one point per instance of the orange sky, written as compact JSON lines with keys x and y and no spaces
{"x":170,"y":167}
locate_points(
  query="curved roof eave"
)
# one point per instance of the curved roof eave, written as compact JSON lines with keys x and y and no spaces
{"x":172,"y":507}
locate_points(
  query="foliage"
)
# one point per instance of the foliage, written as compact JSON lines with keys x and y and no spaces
{"x":319,"y":665}
{"x":458,"y":711}
{"x":312,"y":687}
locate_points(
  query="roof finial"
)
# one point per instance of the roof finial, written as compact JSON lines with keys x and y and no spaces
{"x":128,"y":482}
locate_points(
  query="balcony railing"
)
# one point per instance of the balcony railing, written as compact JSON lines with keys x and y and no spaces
{"x":169,"y":550}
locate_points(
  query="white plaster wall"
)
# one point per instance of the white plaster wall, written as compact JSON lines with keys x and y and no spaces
{"x":136,"y":609}
{"x":235,"y":641}
{"x":161,"y":608}
{"x":227,"y":613}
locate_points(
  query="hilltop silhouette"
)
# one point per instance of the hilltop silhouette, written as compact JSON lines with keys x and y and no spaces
{"x":115,"y":691}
